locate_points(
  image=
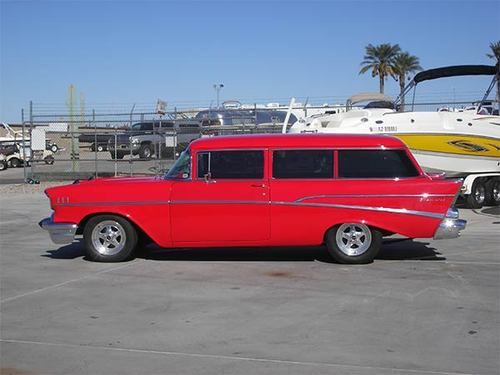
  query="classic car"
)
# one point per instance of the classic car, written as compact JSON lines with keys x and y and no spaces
{"x":345,"y":191}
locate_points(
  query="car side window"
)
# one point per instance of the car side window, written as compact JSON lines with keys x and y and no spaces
{"x":375,"y":164}
{"x":244,"y":164}
{"x":303,"y":164}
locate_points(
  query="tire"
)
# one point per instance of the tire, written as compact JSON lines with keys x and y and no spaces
{"x":493,"y":192}
{"x":15,"y":162}
{"x":49,"y":160}
{"x":119,"y":155}
{"x":3,"y":165}
{"x":54,"y":148}
{"x":109,"y":238}
{"x":145,"y":151}
{"x":353,"y":243}
{"x":477,"y":196}
{"x":100,"y":148}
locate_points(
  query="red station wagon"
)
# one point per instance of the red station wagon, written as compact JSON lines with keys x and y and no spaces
{"x":345,"y":191}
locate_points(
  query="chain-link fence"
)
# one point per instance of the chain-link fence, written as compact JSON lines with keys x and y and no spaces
{"x":58,"y":146}
{"x":78,"y":146}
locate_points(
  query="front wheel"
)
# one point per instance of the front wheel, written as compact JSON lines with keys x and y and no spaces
{"x":118,"y":155}
{"x":353,"y":243}
{"x":3,"y":165}
{"x":15,"y":162}
{"x":145,"y":152}
{"x":109,"y":238}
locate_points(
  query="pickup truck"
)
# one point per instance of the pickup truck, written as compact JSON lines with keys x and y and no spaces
{"x":150,"y":137}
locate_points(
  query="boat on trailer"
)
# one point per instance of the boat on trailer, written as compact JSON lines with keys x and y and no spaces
{"x":460,"y":144}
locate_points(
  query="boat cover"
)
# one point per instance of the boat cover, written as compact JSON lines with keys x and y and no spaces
{"x":367,"y":96}
{"x":453,"y":71}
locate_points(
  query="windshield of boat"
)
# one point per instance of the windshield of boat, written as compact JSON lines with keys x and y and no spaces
{"x":181,"y":170}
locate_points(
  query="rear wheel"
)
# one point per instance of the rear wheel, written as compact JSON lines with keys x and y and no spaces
{"x":15,"y":162}
{"x":493,"y":192}
{"x":109,"y":238}
{"x":49,"y":160}
{"x":477,"y":195}
{"x":353,"y":243}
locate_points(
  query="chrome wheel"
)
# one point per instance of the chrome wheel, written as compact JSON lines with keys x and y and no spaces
{"x":495,"y":191}
{"x":109,"y":237}
{"x":353,"y":239}
{"x":480,"y":193}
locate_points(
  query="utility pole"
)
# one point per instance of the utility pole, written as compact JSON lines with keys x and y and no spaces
{"x":217,"y":88}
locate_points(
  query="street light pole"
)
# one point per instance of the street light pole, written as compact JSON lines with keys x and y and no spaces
{"x":217,"y":88}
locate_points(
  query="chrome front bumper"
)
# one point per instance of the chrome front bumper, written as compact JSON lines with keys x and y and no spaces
{"x":60,"y":233}
{"x":450,"y":226}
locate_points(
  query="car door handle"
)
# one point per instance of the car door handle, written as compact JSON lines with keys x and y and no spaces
{"x":258,"y":185}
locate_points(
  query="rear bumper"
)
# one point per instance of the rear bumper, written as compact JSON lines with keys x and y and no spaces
{"x":60,"y":233}
{"x":450,"y":226}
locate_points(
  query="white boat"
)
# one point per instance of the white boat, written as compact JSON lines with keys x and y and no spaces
{"x":457,"y":143}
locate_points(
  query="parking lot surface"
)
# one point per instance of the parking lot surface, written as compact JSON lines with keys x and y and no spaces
{"x":423,"y":307}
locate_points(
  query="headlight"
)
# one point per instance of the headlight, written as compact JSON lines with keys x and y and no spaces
{"x":133,"y":140}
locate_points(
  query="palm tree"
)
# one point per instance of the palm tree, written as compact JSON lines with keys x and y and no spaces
{"x":495,"y":51}
{"x":404,"y":63}
{"x":380,"y":60}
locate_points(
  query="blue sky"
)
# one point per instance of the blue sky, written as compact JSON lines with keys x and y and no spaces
{"x":117,"y":53}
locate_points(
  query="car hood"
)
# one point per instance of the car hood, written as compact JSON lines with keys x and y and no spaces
{"x":115,"y":190}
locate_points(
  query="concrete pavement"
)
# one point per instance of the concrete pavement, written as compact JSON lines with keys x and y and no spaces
{"x":423,"y":307}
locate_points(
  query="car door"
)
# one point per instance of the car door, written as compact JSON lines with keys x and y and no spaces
{"x":298,"y":178}
{"x":227,"y":201}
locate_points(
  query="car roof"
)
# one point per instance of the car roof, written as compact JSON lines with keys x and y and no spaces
{"x":297,"y":141}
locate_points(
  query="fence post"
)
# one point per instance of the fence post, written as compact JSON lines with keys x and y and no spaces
{"x":31,"y":150}
{"x":95,"y":142}
{"x":25,"y":177}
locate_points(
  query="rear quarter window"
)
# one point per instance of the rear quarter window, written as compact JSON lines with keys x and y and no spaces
{"x":375,"y":164}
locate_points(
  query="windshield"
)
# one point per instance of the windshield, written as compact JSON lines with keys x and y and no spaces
{"x":182,"y":167}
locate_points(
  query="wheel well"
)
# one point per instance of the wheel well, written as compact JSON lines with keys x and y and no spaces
{"x":382,"y":231}
{"x":85,"y":220}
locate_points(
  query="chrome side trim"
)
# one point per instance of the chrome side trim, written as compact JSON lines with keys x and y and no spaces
{"x":60,"y":233}
{"x":374,"y":196}
{"x":324,"y":205}
{"x":220,"y":202}
{"x":365,"y":208}
{"x":125,"y":203}
{"x":298,"y":202}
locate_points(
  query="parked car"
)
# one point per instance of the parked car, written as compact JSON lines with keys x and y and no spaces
{"x":347,"y":191}
{"x":98,"y":142}
{"x":149,"y":137}
{"x":7,"y":148}
{"x":17,"y":155}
